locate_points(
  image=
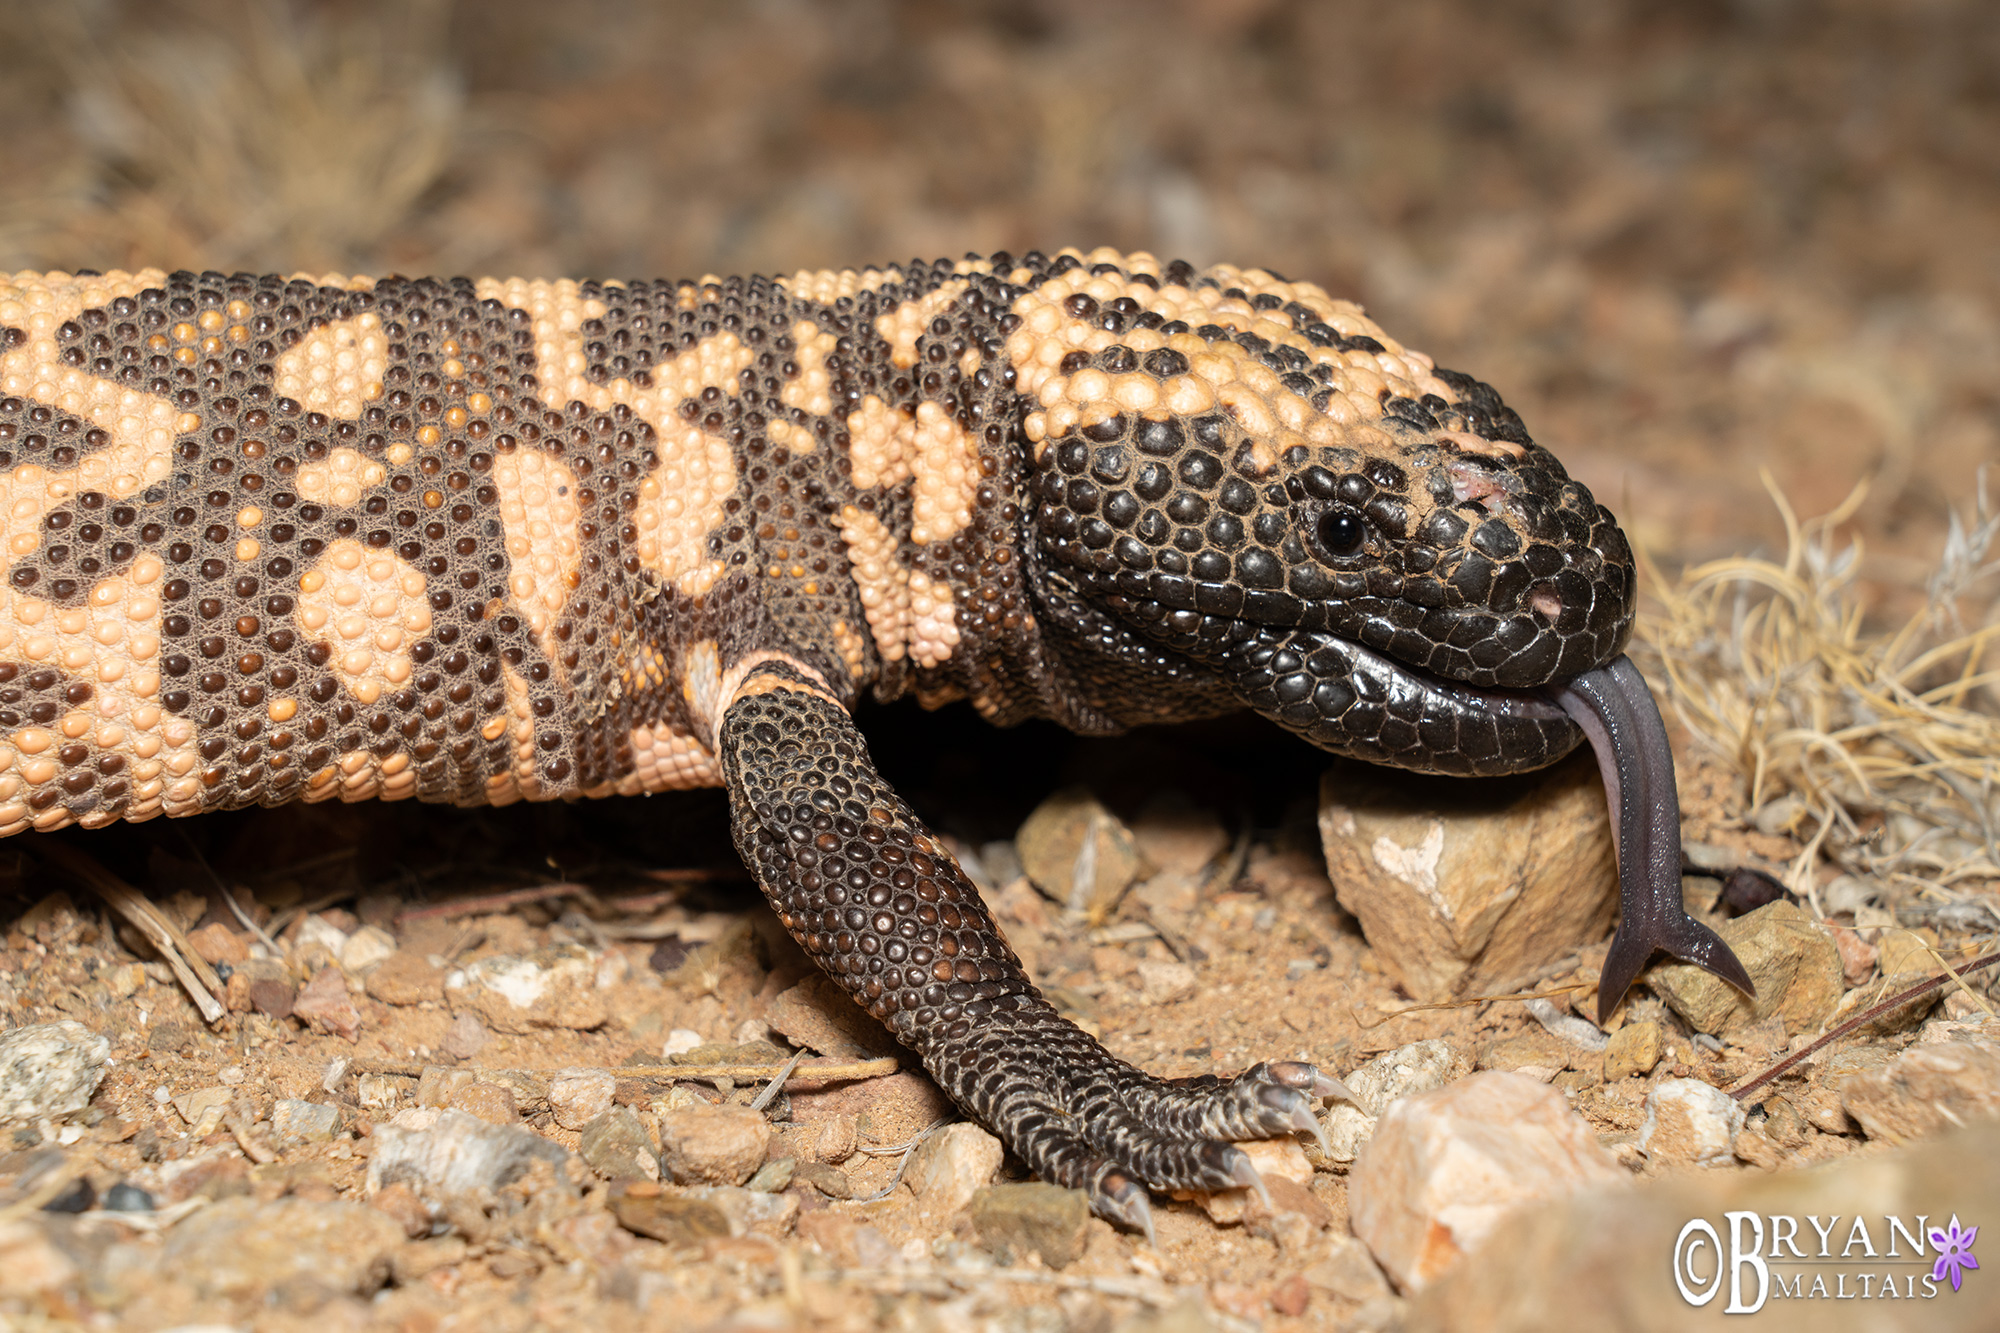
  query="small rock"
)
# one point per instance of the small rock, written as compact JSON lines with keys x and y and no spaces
{"x":216,"y":943}
{"x":713,"y":1145}
{"x":1444,"y":1168}
{"x":262,"y":984}
{"x":1032,"y":1218}
{"x":326,"y":1006}
{"x":1759,"y":1150}
{"x":49,"y":1069}
{"x":1422,"y":1066}
{"x":366,"y":947}
{"x":441,"y":1154}
{"x":1924,"y":1090}
{"x":1857,"y":955}
{"x":380,"y":1092}
{"x":400,"y":1204}
{"x":952,"y":1165}
{"x":1276,"y":1160}
{"x":819,"y":1016}
{"x":1632,"y":1049}
{"x":1350,"y":1273}
{"x":828,"y":1180}
{"x":773,"y":1176}
{"x":1534,"y":1049}
{"x":240,"y":1247}
{"x":554,"y":987}
{"x":1690,"y":1123}
{"x":465,"y":1038}
{"x":1795,"y":964}
{"x":1162,"y":982}
{"x":1469,"y":886}
{"x":295,"y":1122}
{"x":406,"y":978}
{"x":205,"y":1105}
{"x":701,"y":1212}
{"x":1078,"y":853}
{"x":579,"y":1096}
{"x":125,"y":1197}
{"x":492,"y":1102}
{"x":437,"y":1083}
{"x":615,"y":1145}
{"x":1178,"y":836}
{"x":833,"y":1139}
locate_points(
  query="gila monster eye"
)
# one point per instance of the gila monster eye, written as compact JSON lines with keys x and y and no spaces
{"x":1340,"y":532}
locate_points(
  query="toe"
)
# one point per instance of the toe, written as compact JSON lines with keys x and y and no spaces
{"x":1122,"y":1201}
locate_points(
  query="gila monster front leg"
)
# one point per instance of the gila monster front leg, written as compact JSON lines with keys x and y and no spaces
{"x":881,"y":906}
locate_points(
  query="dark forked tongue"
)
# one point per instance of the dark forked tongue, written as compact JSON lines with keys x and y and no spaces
{"x":1617,"y":712}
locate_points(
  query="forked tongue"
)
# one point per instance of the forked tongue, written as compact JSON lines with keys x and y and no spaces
{"x":1617,"y":712}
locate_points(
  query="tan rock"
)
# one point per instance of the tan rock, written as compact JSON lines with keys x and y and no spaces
{"x":217,"y":943}
{"x":1633,"y":1049}
{"x":1606,"y":1257}
{"x":326,"y":1006}
{"x":1078,"y":853}
{"x":579,"y":1096}
{"x":1444,"y":1168}
{"x":1924,"y":1090}
{"x":1470,"y":886}
{"x":554,"y":987}
{"x":1032,"y":1218}
{"x":491,"y":1102}
{"x":1421,"y":1066}
{"x":240,"y":1246}
{"x":1275,"y":1160}
{"x":1690,"y":1123}
{"x":1178,"y":836}
{"x":951,"y":1166}
{"x":406,"y":978}
{"x":713,"y":1145}
{"x":1163,"y":981}
{"x":819,"y":1016}
{"x":1795,"y":964}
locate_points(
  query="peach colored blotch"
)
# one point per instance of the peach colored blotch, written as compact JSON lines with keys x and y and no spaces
{"x":370,"y":608}
{"x":538,"y":517}
{"x":112,"y":641}
{"x":337,"y":369}
{"x":681,"y":501}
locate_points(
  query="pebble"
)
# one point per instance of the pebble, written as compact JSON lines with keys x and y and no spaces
{"x":492,"y":1102}
{"x":262,"y":984}
{"x":554,"y":987}
{"x":1350,"y":1273}
{"x":125,"y":1197}
{"x":1690,"y":1123}
{"x":241,"y":1247}
{"x":1633,"y":1049}
{"x":216,"y":943}
{"x":1421,"y":1066}
{"x":713,"y":1145}
{"x":49,"y":1069}
{"x":1605,"y":1258}
{"x":295,"y":1122}
{"x":1032,"y":1218}
{"x":203,"y":1108}
{"x":1163,"y":982}
{"x":326,"y":1006}
{"x":1079,"y":853}
{"x":466,"y":1037}
{"x":579,"y":1096}
{"x":1924,"y":1090}
{"x":1444,"y":1168}
{"x":701,"y":1212}
{"x":951,"y":1165}
{"x":1278,"y":1161}
{"x":444,"y":1153}
{"x":817,"y":1015}
{"x":616,"y":1146}
{"x":1796,"y":966}
{"x":403,"y":978}
{"x":365,"y":948}
{"x":1177,"y":836}
{"x":1469,"y":887}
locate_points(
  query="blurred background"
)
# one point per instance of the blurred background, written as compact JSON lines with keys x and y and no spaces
{"x":1688,"y":239}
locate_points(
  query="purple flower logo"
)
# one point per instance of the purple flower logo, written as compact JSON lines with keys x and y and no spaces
{"x":1954,"y":1247}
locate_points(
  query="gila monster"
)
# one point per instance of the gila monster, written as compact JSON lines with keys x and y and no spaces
{"x":293,"y":538}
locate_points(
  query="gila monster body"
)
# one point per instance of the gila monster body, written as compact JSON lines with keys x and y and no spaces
{"x":293,"y":538}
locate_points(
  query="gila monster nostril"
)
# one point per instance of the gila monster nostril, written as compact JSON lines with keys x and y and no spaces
{"x":1544,"y":602}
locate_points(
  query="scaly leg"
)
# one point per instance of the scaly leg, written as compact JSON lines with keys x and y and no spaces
{"x":878,"y":903}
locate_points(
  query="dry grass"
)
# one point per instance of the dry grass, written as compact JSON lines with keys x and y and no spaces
{"x":1878,"y":749}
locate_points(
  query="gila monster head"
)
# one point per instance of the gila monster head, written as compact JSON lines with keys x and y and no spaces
{"x":1370,"y":551}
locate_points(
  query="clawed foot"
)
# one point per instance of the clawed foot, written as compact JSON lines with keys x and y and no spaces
{"x":1079,"y":1117}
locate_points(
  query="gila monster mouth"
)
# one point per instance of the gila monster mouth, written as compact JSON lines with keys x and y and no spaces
{"x":1350,"y":700}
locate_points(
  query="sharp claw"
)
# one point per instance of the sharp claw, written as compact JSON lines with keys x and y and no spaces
{"x":1309,"y":1078}
{"x":1303,"y":1118}
{"x":1119,"y":1199}
{"x":1244,"y":1175}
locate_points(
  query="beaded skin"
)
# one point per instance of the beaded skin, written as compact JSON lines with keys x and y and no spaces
{"x":301,"y":538}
